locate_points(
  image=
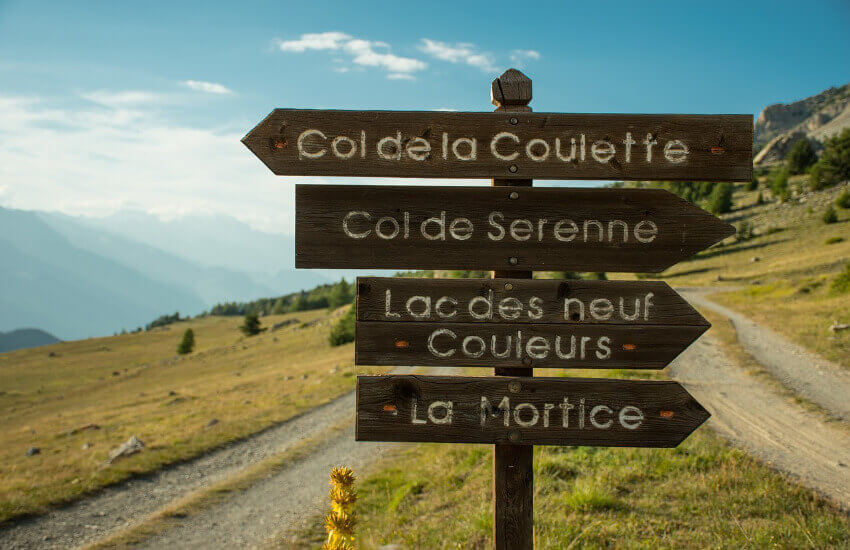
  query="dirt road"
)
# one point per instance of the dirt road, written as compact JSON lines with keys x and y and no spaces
{"x":745,"y":410}
{"x":812,"y":377}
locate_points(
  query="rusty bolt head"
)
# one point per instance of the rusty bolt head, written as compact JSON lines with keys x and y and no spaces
{"x":514,"y":386}
{"x":514,"y":195}
{"x":509,"y":286}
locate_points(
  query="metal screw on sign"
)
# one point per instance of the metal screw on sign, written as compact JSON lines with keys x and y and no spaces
{"x":513,"y":168}
{"x":514,"y":386}
{"x":512,"y":260}
{"x":514,"y":195}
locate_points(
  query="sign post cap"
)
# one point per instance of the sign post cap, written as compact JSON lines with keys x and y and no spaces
{"x":513,"y":89}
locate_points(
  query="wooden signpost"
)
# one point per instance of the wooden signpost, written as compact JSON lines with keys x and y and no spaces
{"x":522,"y":323}
{"x":511,"y":322}
{"x":403,"y":227}
{"x":531,"y":411}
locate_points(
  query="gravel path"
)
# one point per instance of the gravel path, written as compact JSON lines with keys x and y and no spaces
{"x":809,"y":376}
{"x":771,"y":427}
{"x":119,"y":505}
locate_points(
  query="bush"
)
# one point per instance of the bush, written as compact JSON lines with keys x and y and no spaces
{"x":187,"y":344}
{"x":343,"y":330}
{"x":251,"y":326}
{"x":743,"y":231}
{"x":834,"y":164}
{"x":753,"y":184}
{"x":829,"y":215}
{"x":834,"y":240}
{"x":779,"y":184}
{"x":801,"y":157}
{"x":843,"y":200}
{"x":841,"y":284}
{"x":720,"y":201}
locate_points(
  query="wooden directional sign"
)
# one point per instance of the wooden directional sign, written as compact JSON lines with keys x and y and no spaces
{"x":521,"y":323}
{"x":294,"y":142}
{"x":403,"y":227}
{"x":526,"y":411}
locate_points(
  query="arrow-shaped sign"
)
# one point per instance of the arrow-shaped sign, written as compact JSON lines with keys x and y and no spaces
{"x":526,"y":411}
{"x":499,"y":145}
{"x":403,"y":227}
{"x":522,"y":323}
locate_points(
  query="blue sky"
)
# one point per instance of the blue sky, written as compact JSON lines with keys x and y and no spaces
{"x":110,"y":105}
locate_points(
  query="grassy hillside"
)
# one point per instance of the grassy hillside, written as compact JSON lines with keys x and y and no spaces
{"x":782,"y":276}
{"x":78,"y":400}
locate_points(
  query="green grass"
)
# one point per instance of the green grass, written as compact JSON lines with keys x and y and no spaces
{"x":702,"y":494}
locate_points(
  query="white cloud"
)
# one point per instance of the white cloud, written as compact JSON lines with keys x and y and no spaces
{"x":94,"y":160}
{"x":207,"y":87}
{"x":518,"y":57}
{"x":125,"y":98}
{"x":459,"y":53}
{"x":366,"y":53}
{"x":314,"y":41}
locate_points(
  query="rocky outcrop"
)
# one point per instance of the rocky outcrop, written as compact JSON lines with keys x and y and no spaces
{"x":818,"y":118}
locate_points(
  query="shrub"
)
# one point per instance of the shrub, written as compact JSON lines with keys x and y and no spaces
{"x":187,"y":344}
{"x":834,"y":240}
{"x":343,"y":330}
{"x":779,"y":184}
{"x":841,"y":284}
{"x":843,"y":200}
{"x":801,"y":157}
{"x":834,"y":164}
{"x":251,"y":326}
{"x":743,"y":231}
{"x":753,"y":184}
{"x":720,"y":201}
{"x":829,"y":215}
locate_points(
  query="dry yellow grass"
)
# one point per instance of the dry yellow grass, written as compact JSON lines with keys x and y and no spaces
{"x":135,"y":384}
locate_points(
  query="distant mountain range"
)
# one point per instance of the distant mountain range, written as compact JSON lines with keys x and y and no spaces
{"x":25,"y":338}
{"x":817,"y":118}
{"x":80,"y":277}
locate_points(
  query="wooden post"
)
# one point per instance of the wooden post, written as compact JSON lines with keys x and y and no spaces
{"x":513,"y":474}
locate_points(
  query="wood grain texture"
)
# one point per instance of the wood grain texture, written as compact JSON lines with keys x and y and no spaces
{"x":667,"y":413}
{"x":719,"y":147}
{"x":597,"y":242}
{"x":628,"y":347}
{"x":558,"y":302}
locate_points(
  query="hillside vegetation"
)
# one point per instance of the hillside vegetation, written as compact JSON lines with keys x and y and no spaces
{"x":76,"y":401}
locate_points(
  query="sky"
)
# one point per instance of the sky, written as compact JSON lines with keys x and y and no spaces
{"x":118,"y":105}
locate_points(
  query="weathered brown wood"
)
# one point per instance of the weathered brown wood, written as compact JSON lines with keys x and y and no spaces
{"x":513,"y":465}
{"x":293,"y":142}
{"x":605,"y":346}
{"x":637,"y":230}
{"x":522,"y":301}
{"x":405,"y":408}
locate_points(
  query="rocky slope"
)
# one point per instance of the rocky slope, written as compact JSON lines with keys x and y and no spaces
{"x":817,"y":117}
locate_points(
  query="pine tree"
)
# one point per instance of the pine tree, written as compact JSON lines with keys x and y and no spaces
{"x":187,"y":344}
{"x":251,"y":326}
{"x":721,"y":198}
{"x":801,"y":156}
